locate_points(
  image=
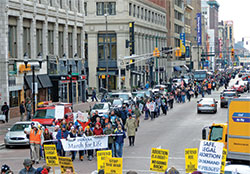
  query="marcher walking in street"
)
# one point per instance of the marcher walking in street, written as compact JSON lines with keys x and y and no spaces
{"x":61,"y":134}
{"x":5,"y":110}
{"x":28,"y":168}
{"x":119,"y":141}
{"x":131,"y":128}
{"x":22,"y":110}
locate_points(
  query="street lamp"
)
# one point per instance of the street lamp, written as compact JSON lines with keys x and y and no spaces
{"x":106,"y":51}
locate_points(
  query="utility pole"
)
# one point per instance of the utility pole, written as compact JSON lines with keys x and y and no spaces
{"x":106,"y":52}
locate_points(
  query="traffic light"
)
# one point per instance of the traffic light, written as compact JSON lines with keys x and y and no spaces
{"x":232,"y":53}
{"x":156,"y":52}
{"x":178,"y":52}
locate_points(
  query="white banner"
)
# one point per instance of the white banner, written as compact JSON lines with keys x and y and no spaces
{"x":210,"y":156}
{"x":85,"y":143}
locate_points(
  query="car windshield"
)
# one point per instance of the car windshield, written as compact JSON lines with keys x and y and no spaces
{"x":45,"y":113}
{"x":229,"y":94}
{"x":200,"y":76}
{"x":98,"y":106}
{"x":216,"y":133}
{"x":117,"y":102}
{"x":19,"y":127}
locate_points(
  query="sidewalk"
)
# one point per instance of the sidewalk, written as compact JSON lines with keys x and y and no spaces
{"x":83,"y":107}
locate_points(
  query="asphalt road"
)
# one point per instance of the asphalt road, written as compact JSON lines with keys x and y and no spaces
{"x":179,"y":129}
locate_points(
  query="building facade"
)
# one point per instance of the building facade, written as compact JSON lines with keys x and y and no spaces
{"x":46,"y":34}
{"x":108,"y":35}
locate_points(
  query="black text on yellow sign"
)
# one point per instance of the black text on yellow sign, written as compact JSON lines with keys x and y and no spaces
{"x":223,"y":161}
{"x":191,"y":160}
{"x":113,"y":166}
{"x":66,"y":162}
{"x":159,"y":160}
{"x":101,"y":156}
{"x":51,"y":155}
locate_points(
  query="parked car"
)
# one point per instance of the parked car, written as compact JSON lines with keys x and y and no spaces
{"x":226,"y":96}
{"x":102,"y":108}
{"x":45,"y":113}
{"x":207,"y":105}
{"x":16,"y":136}
{"x":158,"y":88}
{"x":126,"y":96}
{"x":177,"y":82}
{"x":145,"y":94}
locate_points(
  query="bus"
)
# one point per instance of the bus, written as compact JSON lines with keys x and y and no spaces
{"x":200,"y":75}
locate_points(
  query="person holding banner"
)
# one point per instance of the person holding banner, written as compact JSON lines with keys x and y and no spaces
{"x":61,"y":134}
{"x":109,"y":131}
{"x":119,"y":141}
{"x":88,"y":133}
{"x":80,"y":133}
{"x":72,"y":136}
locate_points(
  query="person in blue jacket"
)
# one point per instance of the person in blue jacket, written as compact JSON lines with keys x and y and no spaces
{"x":119,"y":141}
{"x":62,"y":134}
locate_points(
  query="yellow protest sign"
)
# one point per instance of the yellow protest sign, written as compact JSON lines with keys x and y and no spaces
{"x":159,"y":160}
{"x":51,"y":155}
{"x":223,"y":161}
{"x":191,"y":157}
{"x":101,"y":156}
{"x":66,"y":162}
{"x":113,"y":166}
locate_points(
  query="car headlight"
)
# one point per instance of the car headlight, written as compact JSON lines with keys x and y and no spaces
{"x":7,"y":136}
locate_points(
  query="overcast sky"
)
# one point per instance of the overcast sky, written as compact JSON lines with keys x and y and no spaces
{"x":239,"y":12}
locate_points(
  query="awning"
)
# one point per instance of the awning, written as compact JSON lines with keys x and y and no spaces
{"x":45,"y":80}
{"x":185,"y":66}
{"x":29,"y":81}
{"x":177,"y":68}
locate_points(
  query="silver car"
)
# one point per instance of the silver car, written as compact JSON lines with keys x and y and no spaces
{"x":16,"y":136}
{"x":207,"y":105}
{"x":102,"y":108}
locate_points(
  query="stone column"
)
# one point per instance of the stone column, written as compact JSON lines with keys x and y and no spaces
{"x":75,"y":40}
{"x":20,"y":37}
{"x":33,"y":52}
{"x":56,"y":39}
{"x":93,"y":59}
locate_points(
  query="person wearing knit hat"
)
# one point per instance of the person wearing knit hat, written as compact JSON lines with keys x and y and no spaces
{"x":27,"y":167}
{"x":88,"y":133}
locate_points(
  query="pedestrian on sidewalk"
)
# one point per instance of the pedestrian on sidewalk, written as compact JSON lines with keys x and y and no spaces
{"x":28,"y":168}
{"x":28,"y":110}
{"x":131,"y":128}
{"x":94,"y":95}
{"x":5,"y":110}
{"x":22,"y":110}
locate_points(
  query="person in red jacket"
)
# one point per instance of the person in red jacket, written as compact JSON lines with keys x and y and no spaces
{"x":98,"y":129}
{"x":84,"y":124}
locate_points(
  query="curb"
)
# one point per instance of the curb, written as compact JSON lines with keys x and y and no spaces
{"x":2,"y":146}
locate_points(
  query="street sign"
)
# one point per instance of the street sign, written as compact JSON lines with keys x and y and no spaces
{"x":199,"y":29}
{"x":187,"y":51}
{"x":183,"y":38}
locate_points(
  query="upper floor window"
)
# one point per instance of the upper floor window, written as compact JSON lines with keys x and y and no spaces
{"x":85,"y":8}
{"x":105,"y":8}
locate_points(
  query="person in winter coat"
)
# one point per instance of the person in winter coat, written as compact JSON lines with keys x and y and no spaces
{"x":88,"y":133}
{"x":29,"y":110}
{"x":124,"y":114}
{"x":131,"y":128}
{"x":80,"y":133}
{"x":71,"y":136}
{"x":137,"y":113}
{"x":146,"y":109}
{"x":152,"y":108}
{"x":98,"y":129}
{"x":61,"y":134}
{"x":5,"y":110}
{"x":119,"y":141}
{"x":22,"y":110}
{"x":28,"y":168}
{"x":109,"y":131}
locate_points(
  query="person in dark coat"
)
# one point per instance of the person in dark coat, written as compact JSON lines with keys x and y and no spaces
{"x":124,"y":115}
{"x":22,"y":110}
{"x":94,"y":95}
{"x":61,"y":134}
{"x":119,"y":141}
{"x":5,"y":110}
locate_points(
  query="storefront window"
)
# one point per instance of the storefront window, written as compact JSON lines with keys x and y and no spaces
{"x":108,"y":40}
{"x":13,"y":98}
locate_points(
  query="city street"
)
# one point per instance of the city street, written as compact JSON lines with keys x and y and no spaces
{"x":179,"y":129}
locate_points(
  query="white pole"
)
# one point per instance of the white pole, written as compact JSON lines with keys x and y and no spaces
{"x":119,"y":73}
